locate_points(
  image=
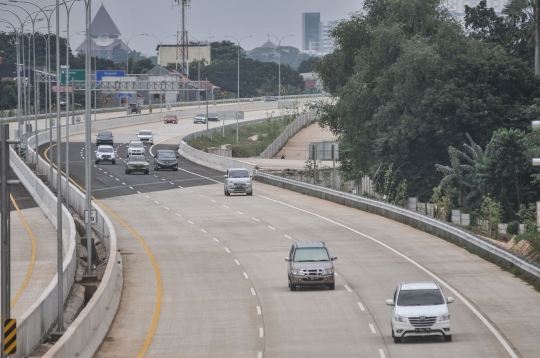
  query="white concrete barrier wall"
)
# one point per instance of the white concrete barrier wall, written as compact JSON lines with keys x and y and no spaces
{"x":39,"y":317}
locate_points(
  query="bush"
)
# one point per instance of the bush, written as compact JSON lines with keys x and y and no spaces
{"x":512,"y":228}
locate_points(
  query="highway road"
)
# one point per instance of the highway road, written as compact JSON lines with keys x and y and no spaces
{"x":204,"y":274}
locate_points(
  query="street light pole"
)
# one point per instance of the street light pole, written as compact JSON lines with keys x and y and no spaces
{"x":279,"y":64}
{"x":199,"y":68}
{"x":238,"y":73}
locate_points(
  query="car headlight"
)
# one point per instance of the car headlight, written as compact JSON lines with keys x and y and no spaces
{"x":401,"y":319}
{"x":444,"y":317}
{"x":98,"y":155}
{"x":297,"y":272}
{"x":328,"y":272}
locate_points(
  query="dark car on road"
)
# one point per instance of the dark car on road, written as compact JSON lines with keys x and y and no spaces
{"x":165,"y":159}
{"x":134,"y":108}
{"x":213,"y":117}
{"x":170,"y":118}
{"x":104,"y":137}
{"x":137,"y":163}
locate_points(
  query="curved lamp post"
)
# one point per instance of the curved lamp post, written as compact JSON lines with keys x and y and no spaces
{"x":279,"y":65}
{"x":238,"y":84}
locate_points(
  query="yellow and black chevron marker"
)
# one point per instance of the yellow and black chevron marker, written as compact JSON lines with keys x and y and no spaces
{"x":10,"y":336}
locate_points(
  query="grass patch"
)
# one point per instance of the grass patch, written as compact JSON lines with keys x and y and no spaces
{"x":266,"y":132}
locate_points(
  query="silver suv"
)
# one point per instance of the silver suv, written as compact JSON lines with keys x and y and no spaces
{"x":238,"y":180}
{"x":420,"y":309}
{"x":310,"y":265}
{"x":146,"y":136}
{"x":105,"y":153}
{"x":135,"y":147}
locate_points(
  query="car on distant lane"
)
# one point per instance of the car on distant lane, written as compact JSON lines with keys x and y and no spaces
{"x":165,"y":159}
{"x":199,"y":118}
{"x":105,"y":153}
{"x":137,"y":163}
{"x":212,"y":116}
{"x":170,"y":118}
{"x":310,"y":264}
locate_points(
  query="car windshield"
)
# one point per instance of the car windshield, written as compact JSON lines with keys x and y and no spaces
{"x":105,"y":150}
{"x":199,"y":115}
{"x":145,"y":133}
{"x":136,"y":145}
{"x":137,"y":158}
{"x":306,"y":254}
{"x":166,"y":155}
{"x":238,"y":174}
{"x":420,"y":298}
{"x":105,"y":134}
{"x":170,"y":116}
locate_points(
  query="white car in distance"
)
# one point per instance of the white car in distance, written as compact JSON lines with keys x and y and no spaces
{"x":135,"y":147}
{"x":105,"y":153}
{"x":420,"y":309}
{"x":146,"y":136}
{"x":199,"y":118}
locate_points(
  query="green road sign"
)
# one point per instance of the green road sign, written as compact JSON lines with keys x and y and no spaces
{"x":77,"y":75}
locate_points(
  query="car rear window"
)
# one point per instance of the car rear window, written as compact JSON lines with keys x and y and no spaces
{"x":238,"y":174}
{"x":420,"y":298}
{"x":311,"y":254}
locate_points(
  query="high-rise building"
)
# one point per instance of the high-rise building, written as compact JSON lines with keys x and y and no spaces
{"x":327,"y":41}
{"x":457,"y":7}
{"x":311,"y":31}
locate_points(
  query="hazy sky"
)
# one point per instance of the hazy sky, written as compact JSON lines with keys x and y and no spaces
{"x":218,"y":18}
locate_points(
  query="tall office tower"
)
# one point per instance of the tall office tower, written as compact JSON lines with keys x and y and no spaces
{"x":311,"y":40}
{"x":327,"y":41}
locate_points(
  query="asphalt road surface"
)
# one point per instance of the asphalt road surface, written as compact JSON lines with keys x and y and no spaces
{"x":204,"y":274}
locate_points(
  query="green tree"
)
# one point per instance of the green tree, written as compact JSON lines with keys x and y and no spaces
{"x":307,"y":65}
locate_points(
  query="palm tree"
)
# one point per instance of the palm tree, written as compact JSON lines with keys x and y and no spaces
{"x":526,"y":13}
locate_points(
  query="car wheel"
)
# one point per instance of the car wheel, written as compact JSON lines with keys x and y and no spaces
{"x":292,"y":286}
{"x":448,"y":338}
{"x":397,"y":339}
{"x":156,"y":169}
{"x":175,"y":169}
{"x":147,"y":172}
{"x":114,"y":162}
{"x":227,"y":193}
{"x":128,"y":172}
{"x":249,"y":194}
{"x":332,"y":286}
{"x":97,"y":161}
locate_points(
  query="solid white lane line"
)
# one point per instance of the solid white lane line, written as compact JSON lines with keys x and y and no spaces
{"x":226,"y":206}
{"x":166,"y":208}
{"x":372,"y":328}
{"x":191,"y":222}
{"x":348,"y":288}
{"x":253,"y":291}
{"x":484,"y":320}
{"x":239,"y":212}
{"x":157,"y":202}
{"x":227,"y":249}
{"x":259,"y":310}
{"x":178,"y":214}
{"x":261,"y":332}
{"x":216,"y":239}
{"x":256,"y":219}
{"x":238,"y":263}
{"x":288,"y":237}
{"x":246,"y":276}
{"x":271,"y":228}
{"x":361,"y":306}
{"x":203,"y":231}
{"x":212,"y":200}
{"x":381,"y":353}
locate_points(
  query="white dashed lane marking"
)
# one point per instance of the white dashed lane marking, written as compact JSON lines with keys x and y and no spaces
{"x":238,"y":263}
{"x":288,"y":237}
{"x":212,"y":200}
{"x":239,"y":212}
{"x":372,"y":328}
{"x":166,"y":208}
{"x":259,"y":312}
{"x":381,"y":352}
{"x":253,"y":291}
{"x":203,"y":231}
{"x":226,"y":206}
{"x":361,"y":306}
{"x":216,"y":239}
{"x":227,"y":249}
{"x":348,"y":288}
{"x":271,"y":227}
{"x":246,"y":276}
{"x":256,"y":219}
{"x":157,"y":202}
{"x":261,"y":332}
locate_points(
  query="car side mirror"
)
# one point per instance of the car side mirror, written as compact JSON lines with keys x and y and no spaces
{"x":288,"y":259}
{"x":147,"y":160}
{"x":334,"y":258}
{"x":450,"y":300}
{"x":225,"y":175}
{"x":390,"y":302}
{"x":177,"y":156}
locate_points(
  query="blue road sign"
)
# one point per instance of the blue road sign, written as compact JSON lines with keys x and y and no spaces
{"x":124,"y":95}
{"x":109,"y":73}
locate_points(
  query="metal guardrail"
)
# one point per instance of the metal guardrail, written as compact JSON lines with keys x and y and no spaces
{"x":155,"y":107}
{"x":293,"y":128}
{"x":443,"y":229}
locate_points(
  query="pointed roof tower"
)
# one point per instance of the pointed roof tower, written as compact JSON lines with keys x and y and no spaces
{"x":103,"y":23}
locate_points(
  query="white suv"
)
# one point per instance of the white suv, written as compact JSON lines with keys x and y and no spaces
{"x":420,"y":309}
{"x":146,"y":136}
{"x":135,"y":147}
